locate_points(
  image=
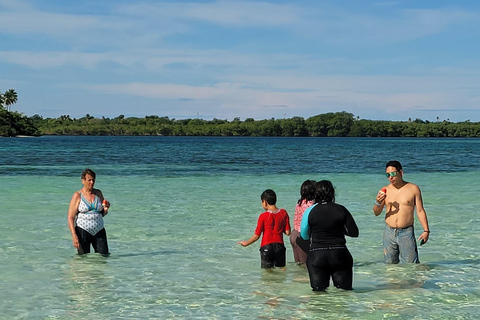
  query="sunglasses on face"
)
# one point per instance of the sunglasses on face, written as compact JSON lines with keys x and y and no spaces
{"x":391,"y":174}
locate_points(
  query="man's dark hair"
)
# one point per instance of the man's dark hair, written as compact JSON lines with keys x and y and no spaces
{"x":270,"y":196}
{"x":395,"y":164}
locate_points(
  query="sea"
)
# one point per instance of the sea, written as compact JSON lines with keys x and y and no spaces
{"x":179,"y":205}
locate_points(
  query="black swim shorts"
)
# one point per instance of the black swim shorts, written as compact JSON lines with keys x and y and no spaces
{"x":273,"y":255}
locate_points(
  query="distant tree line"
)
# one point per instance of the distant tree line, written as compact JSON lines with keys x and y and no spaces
{"x":338,"y":124}
{"x":13,"y":123}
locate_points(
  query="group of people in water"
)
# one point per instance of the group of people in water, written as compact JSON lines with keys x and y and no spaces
{"x":320,"y":226}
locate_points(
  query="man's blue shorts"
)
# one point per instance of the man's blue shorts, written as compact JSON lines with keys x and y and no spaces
{"x":399,"y":245}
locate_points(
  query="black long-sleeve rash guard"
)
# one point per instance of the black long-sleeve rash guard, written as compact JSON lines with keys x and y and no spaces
{"x":328,"y":224}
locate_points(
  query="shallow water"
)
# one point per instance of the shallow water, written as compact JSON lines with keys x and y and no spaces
{"x":179,"y":205}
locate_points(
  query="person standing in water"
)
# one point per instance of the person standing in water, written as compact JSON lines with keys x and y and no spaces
{"x":85,"y":216}
{"x":307,"y":196}
{"x":326,"y":224}
{"x":401,"y":199}
{"x":273,"y":223}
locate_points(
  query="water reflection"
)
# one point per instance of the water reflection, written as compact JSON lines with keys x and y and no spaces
{"x":86,"y":280}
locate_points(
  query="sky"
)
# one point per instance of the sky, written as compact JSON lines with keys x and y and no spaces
{"x":379,"y":60}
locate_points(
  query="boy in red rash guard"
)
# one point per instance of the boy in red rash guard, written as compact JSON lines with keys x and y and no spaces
{"x":273,"y":223}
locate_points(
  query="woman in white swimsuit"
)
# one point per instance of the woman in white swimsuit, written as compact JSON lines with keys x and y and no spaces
{"x":85,"y":217}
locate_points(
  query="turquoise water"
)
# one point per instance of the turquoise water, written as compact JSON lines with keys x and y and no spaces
{"x":179,"y":205}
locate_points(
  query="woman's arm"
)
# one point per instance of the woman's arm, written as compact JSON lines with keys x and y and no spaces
{"x":105,"y":203}
{"x":351,"y":228}
{"x":72,"y":213}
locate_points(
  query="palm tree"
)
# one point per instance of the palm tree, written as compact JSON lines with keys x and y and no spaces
{"x":10,"y":97}
{"x":1,"y":100}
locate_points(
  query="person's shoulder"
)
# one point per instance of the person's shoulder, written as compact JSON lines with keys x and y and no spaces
{"x":284,"y":212}
{"x":262,"y":214}
{"x":75,"y":197}
{"x":335,"y":205}
{"x":412,"y":186}
{"x":97,"y":192}
{"x":343,"y":208}
{"x":339,"y":205}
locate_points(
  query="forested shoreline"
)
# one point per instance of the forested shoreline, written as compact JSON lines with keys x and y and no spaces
{"x":332,"y":124}
{"x":14,"y":123}
{"x":338,"y":124}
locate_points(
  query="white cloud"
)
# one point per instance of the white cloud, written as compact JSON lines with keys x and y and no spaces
{"x":165,"y":91}
{"x":226,"y":13}
{"x":45,"y":60}
{"x":53,"y":24}
{"x":310,"y":57}
{"x":320,"y":92}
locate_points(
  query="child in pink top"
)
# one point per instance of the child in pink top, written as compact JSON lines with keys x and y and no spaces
{"x":307,"y":196}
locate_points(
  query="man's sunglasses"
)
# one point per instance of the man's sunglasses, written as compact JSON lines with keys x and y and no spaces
{"x":391,"y":174}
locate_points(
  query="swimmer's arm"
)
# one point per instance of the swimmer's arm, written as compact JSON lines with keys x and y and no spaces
{"x":249,"y":241}
{"x":351,"y":228}
{"x":379,"y":203}
{"x":72,"y":213}
{"x":304,"y":227}
{"x":288,"y":229}
{"x":422,"y":217}
{"x":106,"y":207}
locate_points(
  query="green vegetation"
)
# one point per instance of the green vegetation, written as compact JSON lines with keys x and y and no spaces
{"x":339,"y":124}
{"x":8,"y":98}
{"x":14,"y":123}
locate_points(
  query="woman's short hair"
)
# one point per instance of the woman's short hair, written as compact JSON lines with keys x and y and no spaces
{"x":89,"y":172}
{"x":325,"y":192}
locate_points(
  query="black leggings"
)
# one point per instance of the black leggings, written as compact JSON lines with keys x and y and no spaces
{"x":98,"y":241}
{"x":325,"y":263}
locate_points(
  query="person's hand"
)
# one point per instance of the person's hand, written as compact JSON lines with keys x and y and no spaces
{"x":243,"y":243}
{"x":380,"y":197}
{"x":106,"y":204}
{"x":424,"y":236}
{"x":76,"y":244}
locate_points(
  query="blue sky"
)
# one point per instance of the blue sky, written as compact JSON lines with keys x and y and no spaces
{"x":381,"y":60}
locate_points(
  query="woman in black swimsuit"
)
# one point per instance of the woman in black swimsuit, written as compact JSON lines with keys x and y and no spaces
{"x":328,"y":223}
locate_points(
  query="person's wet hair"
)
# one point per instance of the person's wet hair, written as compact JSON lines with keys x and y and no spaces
{"x":395,"y":164}
{"x":307,"y":191}
{"x":270,"y":196}
{"x":89,"y":172}
{"x":325,"y":192}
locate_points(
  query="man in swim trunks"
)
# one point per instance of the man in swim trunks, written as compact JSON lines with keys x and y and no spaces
{"x":400,"y":200}
{"x":273,"y":223}
{"x":85,"y":216}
